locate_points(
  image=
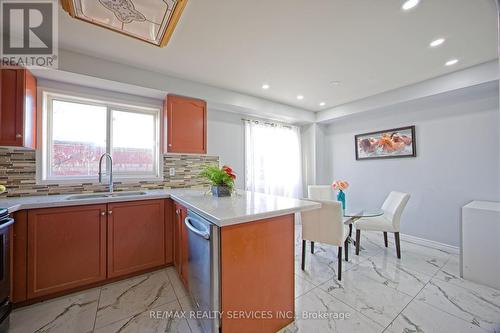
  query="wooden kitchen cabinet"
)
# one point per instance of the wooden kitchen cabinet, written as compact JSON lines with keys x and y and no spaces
{"x":17,"y":108}
{"x":186,"y":124}
{"x":66,"y":248}
{"x":136,"y":236}
{"x":181,"y":243}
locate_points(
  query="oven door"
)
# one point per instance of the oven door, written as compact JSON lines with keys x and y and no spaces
{"x":5,"y":305}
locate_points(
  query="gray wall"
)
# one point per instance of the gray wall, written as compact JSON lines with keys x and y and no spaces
{"x":225,"y":138}
{"x":457,"y":159}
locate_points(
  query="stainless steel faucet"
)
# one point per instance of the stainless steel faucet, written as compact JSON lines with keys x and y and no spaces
{"x":110,"y":184}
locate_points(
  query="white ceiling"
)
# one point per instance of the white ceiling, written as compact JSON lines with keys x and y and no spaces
{"x":301,"y":46}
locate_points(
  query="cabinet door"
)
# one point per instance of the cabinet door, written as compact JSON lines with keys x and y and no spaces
{"x":181,"y":243}
{"x":136,"y":236}
{"x":184,"y":248}
{"x":177,"y":237}
{"x":186,"y":125}
{"x":17,"y":108}
{"x":169,"y":231}
{"x":66,"y":248}
{"x":11,"y":107}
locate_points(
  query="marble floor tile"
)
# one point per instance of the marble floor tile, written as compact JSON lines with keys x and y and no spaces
{"x":372,"y":298}
{"x":338,"y":317}
{"x":395,"y":276}
{"x":479,"y":307}
{"x":177,"y":284}
{"x":319,"y":270}
{"x":130,"y":297}
{"x":302,"y":286}
{"x":193,"y":323}
{"x":451,"y":273}
{"x":72,"y":313}
{"x":427,"y":264}
{"x":160,"y":319}
{"x":422,"y":318}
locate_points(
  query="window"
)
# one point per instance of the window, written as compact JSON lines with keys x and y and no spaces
{"x":273,"y":159}
{"x":77,"y":131}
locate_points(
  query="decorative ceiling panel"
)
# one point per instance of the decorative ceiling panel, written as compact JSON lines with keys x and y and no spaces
{"x":152,"y":21}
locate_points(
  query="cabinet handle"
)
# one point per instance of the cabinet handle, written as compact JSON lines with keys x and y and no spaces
{"x":19,"y":135}
{"x":170,"y":145}
{"x":103,"y":213}
{"x":110,"y":212}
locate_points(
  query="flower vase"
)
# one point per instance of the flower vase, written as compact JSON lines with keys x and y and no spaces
{"x":221,"y":191}
{"x":341,"y":198}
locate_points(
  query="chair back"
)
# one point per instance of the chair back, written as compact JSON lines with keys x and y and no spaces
{"x":320,"y":192}
{"x":324,"y":225}
{"x":393,"y":207}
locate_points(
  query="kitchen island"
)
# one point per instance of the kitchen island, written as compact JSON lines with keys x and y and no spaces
{"x":255,"y":238}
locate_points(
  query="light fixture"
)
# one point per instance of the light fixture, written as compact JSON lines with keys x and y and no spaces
{"x":322,"y":104}
{"x":265,"y":86}
{"x":451,"y":62}
{"x":437,"y":42}
{"x":149,"y":21}
{"x":409,"y":4}
{"x":335,"y":83}
{"x":300,"y":97}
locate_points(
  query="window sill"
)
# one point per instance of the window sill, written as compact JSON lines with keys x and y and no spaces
{"x":94,"y":181}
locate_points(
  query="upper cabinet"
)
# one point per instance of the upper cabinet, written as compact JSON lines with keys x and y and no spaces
{"x":17,"y":108}
{"x":186,"y":124}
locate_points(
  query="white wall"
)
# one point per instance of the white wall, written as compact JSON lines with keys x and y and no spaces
{"x":457,"y":137}
{"x":226,"y":139}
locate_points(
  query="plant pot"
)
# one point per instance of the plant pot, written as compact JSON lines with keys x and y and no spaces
{"x":221,"y":191}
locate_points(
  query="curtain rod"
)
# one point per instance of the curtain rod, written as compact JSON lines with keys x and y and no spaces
{"x":267,"y":122}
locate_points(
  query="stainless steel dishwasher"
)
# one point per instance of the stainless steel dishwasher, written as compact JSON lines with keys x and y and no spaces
{"x":204,"y":270}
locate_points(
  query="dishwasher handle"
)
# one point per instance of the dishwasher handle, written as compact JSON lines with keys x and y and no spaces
{"x":202,"y":233}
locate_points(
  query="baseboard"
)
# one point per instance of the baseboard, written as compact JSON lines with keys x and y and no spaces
{"x":430,"y":243}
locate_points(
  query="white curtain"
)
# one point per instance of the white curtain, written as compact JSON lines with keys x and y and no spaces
{"x":273,"y":159}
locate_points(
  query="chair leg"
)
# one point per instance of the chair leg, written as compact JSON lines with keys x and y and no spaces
{"x":385,"y":239}
{"x":398,"y":246}
{"x":358,"y":238}
{"x":346,"y":250}
{"x":303,"y":254}
{"x":312,"y":247}
{"x":350,"y":229}
{"x":339,"y":268}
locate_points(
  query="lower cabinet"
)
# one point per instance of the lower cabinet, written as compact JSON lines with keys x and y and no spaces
{"x":136,"y":236}
{"x":181,"y":243}
{"x":59,"y":249}
{"x":66,"y":248}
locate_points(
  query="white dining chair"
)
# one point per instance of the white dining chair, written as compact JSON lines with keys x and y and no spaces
{"x":325,"y":225}
{"x":390,"y":221}
{"x":319,"y":192}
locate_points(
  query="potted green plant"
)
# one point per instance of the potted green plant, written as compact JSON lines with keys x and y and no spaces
{"x":221,"y":179}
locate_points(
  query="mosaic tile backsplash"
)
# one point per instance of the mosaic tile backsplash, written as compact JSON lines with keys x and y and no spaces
{"x":18,"y":174}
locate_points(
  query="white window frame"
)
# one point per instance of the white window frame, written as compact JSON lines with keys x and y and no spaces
{"x":44,"y":158}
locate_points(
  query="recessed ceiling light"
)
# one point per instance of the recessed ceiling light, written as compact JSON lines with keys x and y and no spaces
{"x":451,"y":62}
{"x":300,"y":97}
{"x":322,"y":104}
{"x":409,"y":4}
{"x":265,"y":86}
{"x":437,"y":42}
{"x":335,"y":83}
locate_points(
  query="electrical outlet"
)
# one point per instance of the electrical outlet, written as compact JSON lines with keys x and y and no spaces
{"x":171,"y":171}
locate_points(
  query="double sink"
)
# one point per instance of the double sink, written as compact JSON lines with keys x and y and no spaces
{"x":105,"y":195}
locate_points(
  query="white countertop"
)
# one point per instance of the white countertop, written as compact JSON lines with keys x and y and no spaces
{"x":242,"y":207}
{"x":484,"y":205}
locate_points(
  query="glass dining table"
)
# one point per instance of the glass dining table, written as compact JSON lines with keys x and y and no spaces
{"x":352,"y":215}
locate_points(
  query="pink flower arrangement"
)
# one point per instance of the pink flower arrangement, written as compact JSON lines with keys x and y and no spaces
{"x":340,"y":185}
